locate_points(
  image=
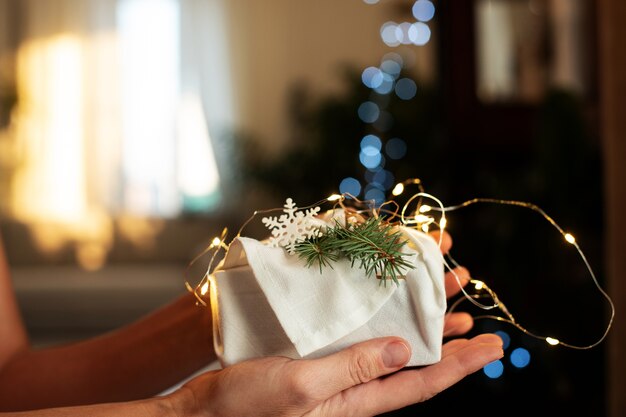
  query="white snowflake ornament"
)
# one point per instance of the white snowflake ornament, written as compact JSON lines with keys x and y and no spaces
{"x":292,"y":227}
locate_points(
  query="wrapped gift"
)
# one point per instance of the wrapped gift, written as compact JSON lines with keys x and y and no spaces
{"x":267,"y":302}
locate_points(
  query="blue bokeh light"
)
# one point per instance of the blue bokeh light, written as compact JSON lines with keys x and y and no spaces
{"x":419,"y":33}
{"x":370,"y":161}
{"x":395,"y":148}
{"x":372,"y":77}
{"x":372,"y":192}
{"x":350,"y":186}
{"x":506,"y":339}
{"x":393,"y":56}
{"x":494,"y":369}
{"x":391,"y":67}
{"x":371,"y":141}
{"x":389,"y":33}
{"x":520,"y":358}
{"x":423,"y":10}
{"x":386,"y":85}
{"x":384,"y":178}
{"x":402,"y":33}
{"x":406,"y":88}
{"x":369,"y":112}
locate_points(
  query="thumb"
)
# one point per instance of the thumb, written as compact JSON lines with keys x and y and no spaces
{"x":357,"y":364}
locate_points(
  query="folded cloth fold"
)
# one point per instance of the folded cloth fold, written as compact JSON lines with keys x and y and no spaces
{"x":267,"y":302}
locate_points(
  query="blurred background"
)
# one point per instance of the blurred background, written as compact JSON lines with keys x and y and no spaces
{"x":133,"y":131}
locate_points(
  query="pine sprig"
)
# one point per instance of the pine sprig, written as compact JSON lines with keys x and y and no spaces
{"x":372,"y":244}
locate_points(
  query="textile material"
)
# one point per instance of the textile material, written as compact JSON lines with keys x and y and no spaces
{"x":266,"y":302}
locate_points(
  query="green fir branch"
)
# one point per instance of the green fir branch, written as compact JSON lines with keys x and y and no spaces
{"x":372,"y":245}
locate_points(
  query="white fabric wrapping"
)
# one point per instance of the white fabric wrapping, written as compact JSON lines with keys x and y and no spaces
{"x":266,"y":302}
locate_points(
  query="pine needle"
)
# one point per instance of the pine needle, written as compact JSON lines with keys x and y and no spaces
{"x":372,"y":245}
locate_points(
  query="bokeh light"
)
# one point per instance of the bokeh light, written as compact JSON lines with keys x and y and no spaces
{"x":372,"y":159}
{"x":372,"y":77}
{"x":419,"y":33}
{"x":350,"y":186}
{"x":370,"y":1}
{"x":372,"y":192}
{"x":506,"y":339}
{"x":368,"y":112}
{"x":384,"y":178}
{"x":371,"y":142}
{"x":395,"y":148}
{"x":388,"y":33}
{"x":386,"y":85}
{"x":393,"y":56}
{"x":406,"y":88}
{"x":520,"y":358}
{"x":423,"y":10}
{"x":391,"y":67}
{"x":494,"y":369}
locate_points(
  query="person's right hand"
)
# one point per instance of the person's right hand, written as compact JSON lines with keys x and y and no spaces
{"x":347,"y":383}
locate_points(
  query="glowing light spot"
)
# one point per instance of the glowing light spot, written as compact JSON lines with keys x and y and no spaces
{"x":350,"y":186}
{"x":386,"y":85}
{"x":388,"y":33}
{"x":552,"y":341}
{"x":395,"y":148}
{"x":422,"y":218}
{"x":494,"y":369}
{"x":443,"y":223}
{"x":479,"y":285}
{"x":371,"y":141}
{"x":423,"y":10}
{"x":506,"y":339}
{"x":402,"y":33}
{"x":216,"y":241}
{"x":369,"y":112}
{"x":205,"y":288}
{"x":372,"y":77}
{"x":336,"y":197}
{"x":391,"y":67}
{"x":425,"y":228}
{"x":570,"y":239}
{"x":406,"y":89}
{"x":425,"y":208}
{"x":392,"y":56}
{"x":370,"y":161}
{"x":384,"y":178}
{"x":398,"y":189}
{"x":419,"y":33}
{"x":375,"y":194}
{"x":520,"y":358}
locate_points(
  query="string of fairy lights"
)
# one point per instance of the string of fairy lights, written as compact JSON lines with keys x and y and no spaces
{"x":421,"y":218}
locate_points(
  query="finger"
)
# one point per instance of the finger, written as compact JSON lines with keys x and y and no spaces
{"x":446,"y":240}
{"x":452,"y":283}
{"x":453,"y":346}
{"x":412,"y":386}
{"x":356,"y":365}
{"x":457,"y":323}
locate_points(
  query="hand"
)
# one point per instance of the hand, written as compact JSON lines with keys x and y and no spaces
{"x":346,"y":383}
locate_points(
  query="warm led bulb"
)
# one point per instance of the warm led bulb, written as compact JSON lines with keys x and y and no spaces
{"x":216,"y":241}
{"x":425,"y":208}
{"x":552,"y":341}
{"x":205,"y":288}
{"x":425,"y":228}
{"x":334,"y":197}
{"x":398,"y":189}
{"x":479,"y":285}
{"x":570,"y":239}
{"x":420,"y":218}
{"x":443,"y":222}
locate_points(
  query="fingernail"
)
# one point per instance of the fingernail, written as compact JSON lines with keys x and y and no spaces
{"x":395,"y":354}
